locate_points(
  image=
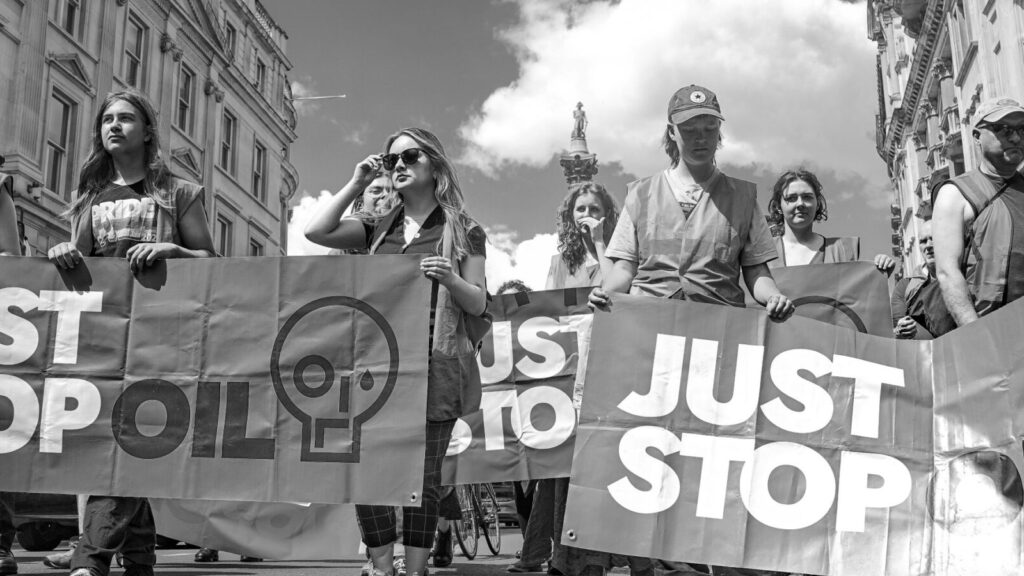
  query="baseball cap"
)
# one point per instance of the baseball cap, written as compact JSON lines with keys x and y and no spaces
{"x":691,"y":101}
{"x":995,"y":109}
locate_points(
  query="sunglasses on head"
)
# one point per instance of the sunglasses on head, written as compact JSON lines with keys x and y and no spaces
{"x":1005,"y":130}
{"x":409,"y":156}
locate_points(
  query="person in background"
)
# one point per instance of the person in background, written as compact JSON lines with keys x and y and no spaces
{"x":430,"y":221}
{"x":128,"y":206}
{"x":585,"y":223}
{"x":910,"y":308}
{"x":797,"y":202}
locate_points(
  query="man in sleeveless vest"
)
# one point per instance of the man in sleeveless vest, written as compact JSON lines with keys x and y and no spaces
{"x":978,"y":219}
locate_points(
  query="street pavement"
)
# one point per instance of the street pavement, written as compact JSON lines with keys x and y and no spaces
{"x":178,"y":561}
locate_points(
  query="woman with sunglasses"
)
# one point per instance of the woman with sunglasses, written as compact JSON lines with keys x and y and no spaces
{"x":430,"y":221}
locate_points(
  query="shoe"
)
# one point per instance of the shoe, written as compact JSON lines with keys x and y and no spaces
{"x":207,"y":555}
{"x":138,"y":570}
{"x":8,"y":565}
{"x":399,"y":566}
{"x":61,"y":560}
{"x":250,"y":559}
{"x":443,"y":551}
{"x":552,"y":571}
{"x":519,"y":568}
{"x":367,"y":569}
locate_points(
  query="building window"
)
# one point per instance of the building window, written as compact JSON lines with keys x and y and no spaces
{"x":255,"y":247}
{"x":261,"y":76}
{"x":225,"y":231}
{"x":228,"y":138}
{"x":186,"y":99}
{"x":230,"y":39}
{"x":59,"y":136}
{"x":259,"y":172}
{"x":136,"y":34}
{"x":70,"y":16}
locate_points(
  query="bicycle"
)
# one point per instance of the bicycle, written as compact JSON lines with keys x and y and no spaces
{"x":479,"y":506}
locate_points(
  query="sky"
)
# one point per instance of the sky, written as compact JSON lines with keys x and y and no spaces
{"x":497,"y":81}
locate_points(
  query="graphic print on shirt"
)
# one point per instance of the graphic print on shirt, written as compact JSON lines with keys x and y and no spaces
{"x":124,"y":219}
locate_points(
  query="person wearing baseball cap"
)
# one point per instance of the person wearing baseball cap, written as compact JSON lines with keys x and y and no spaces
{"x":978,"y":218}
{"x":690,"y":231}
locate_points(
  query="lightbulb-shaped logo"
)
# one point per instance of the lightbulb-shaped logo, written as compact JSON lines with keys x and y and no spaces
{"x":329,"y":359}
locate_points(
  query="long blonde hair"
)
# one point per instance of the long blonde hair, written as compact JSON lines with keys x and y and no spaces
{"x":447,"y":191}
{"x":98,"y":169}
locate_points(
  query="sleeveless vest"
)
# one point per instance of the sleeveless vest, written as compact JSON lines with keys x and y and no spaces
{"x":698,"y":255}
{"x":986,"y":259}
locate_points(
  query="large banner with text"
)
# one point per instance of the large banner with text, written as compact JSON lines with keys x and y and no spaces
{"x":258,"y":379}
{"x":714,"y":435}
{"x":528,"y":367}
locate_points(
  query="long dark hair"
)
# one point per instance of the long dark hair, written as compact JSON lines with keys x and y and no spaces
{"x":98,"y":169}
{"x":447,"y":191}
{"x":571,"y":244}
{"x":775,"y":217}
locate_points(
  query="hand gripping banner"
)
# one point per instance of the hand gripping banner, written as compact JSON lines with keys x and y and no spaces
{"x":270,"y":379}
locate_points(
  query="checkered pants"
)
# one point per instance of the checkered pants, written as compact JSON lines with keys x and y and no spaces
{"x":378,"y":523}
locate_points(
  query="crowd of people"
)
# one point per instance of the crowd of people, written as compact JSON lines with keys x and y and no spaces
{"x":688,"y":232}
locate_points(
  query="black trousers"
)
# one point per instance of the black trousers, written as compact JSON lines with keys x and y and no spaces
{"x":7,"y":528}
{"x":117,"y":524}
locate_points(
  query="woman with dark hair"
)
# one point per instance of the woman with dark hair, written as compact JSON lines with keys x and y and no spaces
{"x":128,"y":206}
{"x":431,"y":221}
{"x":796,"y":204}
{"x":585,"y":223}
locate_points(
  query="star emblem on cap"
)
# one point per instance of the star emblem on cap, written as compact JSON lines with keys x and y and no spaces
{"x":698,"y":97}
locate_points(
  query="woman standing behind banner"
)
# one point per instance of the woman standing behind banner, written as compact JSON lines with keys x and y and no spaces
{"x":796,"y":204}
{"x":585,"y":223}
{"x":431,"y":221}
{"x":128,"y":206}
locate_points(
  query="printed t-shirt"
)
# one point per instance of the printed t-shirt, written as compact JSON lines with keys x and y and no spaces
{"x":701,"y":255}
{"x":122,"y":216}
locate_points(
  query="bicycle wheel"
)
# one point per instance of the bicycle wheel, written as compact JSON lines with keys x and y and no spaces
{"x":466,"y":529}
{"x":491,"y":526}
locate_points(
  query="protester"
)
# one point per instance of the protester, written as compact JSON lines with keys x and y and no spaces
{"x":512,"y":286}
{"x":430,"y":221}
{"x":9,"y":246}
{"x":378,"y":199}
{"x":62,"y":560}
{"x":716,"y":229}
{"x":796,"y":204}
{"x":691,"y":231}
{"x":912,"y":308}
{"x":128,"y":206}
{"x":978,"y":216}
{"x":585,"y":223}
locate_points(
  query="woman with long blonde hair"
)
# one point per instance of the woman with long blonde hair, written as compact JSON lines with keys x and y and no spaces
{"x":432,"y":221}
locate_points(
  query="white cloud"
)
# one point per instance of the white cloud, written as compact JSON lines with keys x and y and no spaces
{"x":301,"y":213}
{"x":510,"y":260}
{"x":795,"y":79}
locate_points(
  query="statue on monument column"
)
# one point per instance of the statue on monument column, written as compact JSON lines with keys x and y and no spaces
{"x":580,"y":128}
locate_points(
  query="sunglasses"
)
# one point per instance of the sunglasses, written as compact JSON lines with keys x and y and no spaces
{"x":409,"y":157}
{"x":1005,"y":130}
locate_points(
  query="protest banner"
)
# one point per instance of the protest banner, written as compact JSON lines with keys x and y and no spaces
{"x":270,"y":530}
{"x":854,"y":295}
{"x":713,"y":435}
{"x":528,"y":363}
{"x":259,"y":379}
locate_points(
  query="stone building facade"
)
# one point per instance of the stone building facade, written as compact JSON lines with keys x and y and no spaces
{"x":937,"y":60}
{"x":217,"y":71}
